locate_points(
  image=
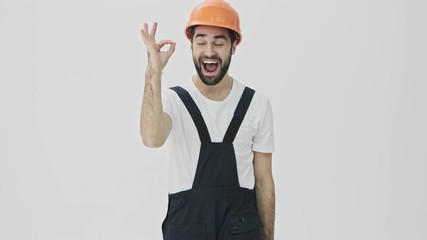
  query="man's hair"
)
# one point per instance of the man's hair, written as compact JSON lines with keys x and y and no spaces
{"x":233,"y":35}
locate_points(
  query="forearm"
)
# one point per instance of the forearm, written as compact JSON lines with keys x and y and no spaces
{"x":152,"y":119}
{"x":266,"y":201}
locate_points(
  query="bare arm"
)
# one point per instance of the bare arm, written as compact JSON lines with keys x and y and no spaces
{"x":265,"y":193}
{"x":155,"y":125}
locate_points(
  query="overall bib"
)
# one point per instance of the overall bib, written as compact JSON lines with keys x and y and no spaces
{"x":216,"y":207}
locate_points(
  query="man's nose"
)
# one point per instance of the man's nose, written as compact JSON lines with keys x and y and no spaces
{"x":209,"y":51}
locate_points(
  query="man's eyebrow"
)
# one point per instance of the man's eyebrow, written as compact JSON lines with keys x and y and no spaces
{"x":220,"y":37}
{"x":216,"y":37}
{"x":200,"y":35}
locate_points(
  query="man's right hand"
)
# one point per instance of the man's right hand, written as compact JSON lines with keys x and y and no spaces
{"x":155,"y":124}
{"x":157,"y":59}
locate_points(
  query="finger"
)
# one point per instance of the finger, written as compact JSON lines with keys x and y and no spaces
{"x":145,"y":29}
{"x":149,"y":43}
{"x":144,"y":32}
{"x":153,"y":30}
{"x":171,"y":49}
{"x":144,"y":36}
{"x":162,"y":43}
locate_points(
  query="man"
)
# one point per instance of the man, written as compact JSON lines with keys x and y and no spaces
{"x":218,"y":133}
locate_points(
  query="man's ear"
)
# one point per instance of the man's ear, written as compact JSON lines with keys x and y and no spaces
{"x":233,"y":47}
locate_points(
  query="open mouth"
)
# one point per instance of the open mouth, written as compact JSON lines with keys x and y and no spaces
{"x":210,"y":67}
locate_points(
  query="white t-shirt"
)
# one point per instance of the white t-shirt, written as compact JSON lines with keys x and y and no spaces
{"x":183,"y":143}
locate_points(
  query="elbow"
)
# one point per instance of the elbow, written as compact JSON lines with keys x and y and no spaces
{"x":153,"y":137}
{"x":152,"y":142}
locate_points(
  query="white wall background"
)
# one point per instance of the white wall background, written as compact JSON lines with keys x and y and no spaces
{"x":347,"y":80}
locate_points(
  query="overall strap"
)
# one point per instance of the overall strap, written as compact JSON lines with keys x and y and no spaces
{"x":239,"y":114}
{"x":195,"y":113}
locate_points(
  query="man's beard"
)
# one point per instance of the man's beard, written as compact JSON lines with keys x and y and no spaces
{"x":214,"y":80}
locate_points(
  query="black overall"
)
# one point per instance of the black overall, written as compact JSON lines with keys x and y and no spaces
{"x":216,"y":207}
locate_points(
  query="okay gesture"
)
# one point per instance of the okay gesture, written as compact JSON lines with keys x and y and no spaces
{"x":157,"y":59}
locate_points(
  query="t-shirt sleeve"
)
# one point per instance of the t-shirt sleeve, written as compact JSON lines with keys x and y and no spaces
{"x":263,"y":140}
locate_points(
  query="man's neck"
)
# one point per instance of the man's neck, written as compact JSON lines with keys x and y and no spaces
{"x":216,"y":92}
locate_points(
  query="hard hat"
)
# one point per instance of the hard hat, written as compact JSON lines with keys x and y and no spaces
{"x":216,"y":13}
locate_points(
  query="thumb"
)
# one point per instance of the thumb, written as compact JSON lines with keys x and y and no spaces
{"x":171,"y":49}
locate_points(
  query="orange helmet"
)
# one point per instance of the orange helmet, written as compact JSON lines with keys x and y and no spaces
{"x":216,"y":13}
